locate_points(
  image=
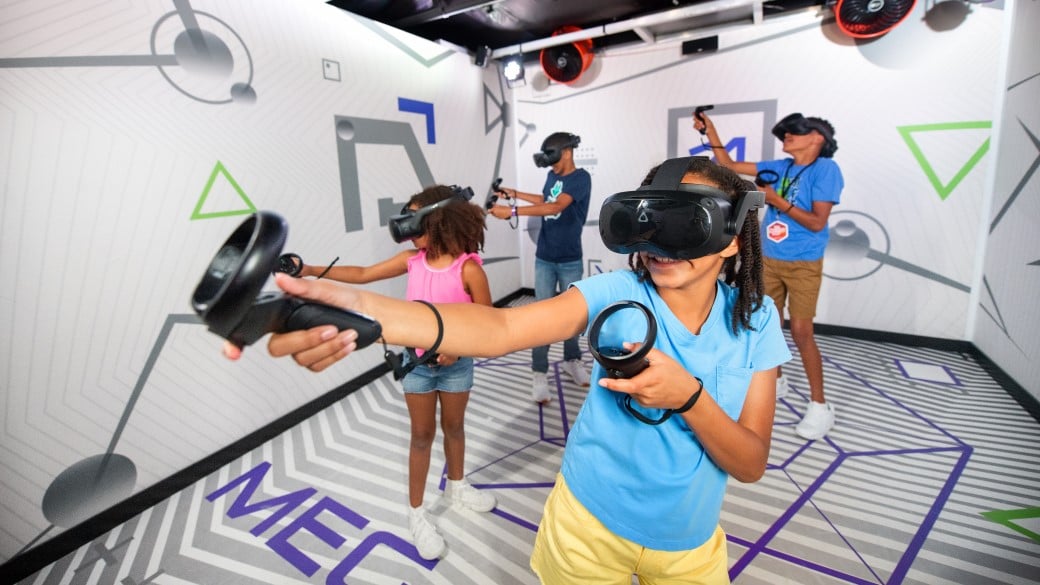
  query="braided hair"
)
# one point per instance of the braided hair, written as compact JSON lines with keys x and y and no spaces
{"x":742,"y":270}
{"x":454,"y":229}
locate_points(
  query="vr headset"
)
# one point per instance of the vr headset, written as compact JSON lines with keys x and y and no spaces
{"x":407,"y":225}
{"x":799,"y":125}
{"x":552,"y":148}
{"x":673,"y":219}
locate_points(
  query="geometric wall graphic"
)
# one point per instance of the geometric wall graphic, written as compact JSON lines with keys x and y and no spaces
{"x":350,"y":132}
{"x":1021,"y":183}
{"x":944,"y":189}
{"x":330,"y":69}
{"x":228,"y":192}
{"x":735,"y":148}
{"x":198,"y":63}
{"x":860,"y":246}
{"x":404,"y":48}
{"x":424,"y":108}
{"x":677,"y":117}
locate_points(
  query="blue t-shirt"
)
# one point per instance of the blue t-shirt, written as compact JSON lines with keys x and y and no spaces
{"x":784,"y":238}
{"x":559,"y":239}
{"x":655,"y":485}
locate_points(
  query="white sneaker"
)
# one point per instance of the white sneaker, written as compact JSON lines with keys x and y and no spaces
{"x":540,"y":388}
{"x":463,"y":495}
{"x":817,"y":422}
{"x":428,"y":542}
{"x":781,"y":387}
{"x":576,"y":370}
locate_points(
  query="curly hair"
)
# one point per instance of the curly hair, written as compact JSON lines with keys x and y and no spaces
{"x":742,"y":270}
{"x":456,"y":228}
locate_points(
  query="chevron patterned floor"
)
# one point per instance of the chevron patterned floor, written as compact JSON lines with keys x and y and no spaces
{"x":932,"y":476}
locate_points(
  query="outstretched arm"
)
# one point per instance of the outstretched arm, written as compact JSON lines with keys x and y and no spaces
{"x":396,"y":265}
{"x":469,"y":329}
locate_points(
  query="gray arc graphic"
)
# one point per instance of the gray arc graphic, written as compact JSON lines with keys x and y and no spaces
{"x":850,"y":245}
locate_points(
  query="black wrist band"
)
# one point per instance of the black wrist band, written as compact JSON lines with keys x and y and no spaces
{"x":668,"y":411}
{"x":789,"y":208}
{"x":693,"y":399}
{"x":440,"y":327}
{"x":716,"y":146}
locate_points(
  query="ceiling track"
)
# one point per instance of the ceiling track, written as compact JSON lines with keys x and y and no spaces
{"x":639,"y":25}
{"x":442,"y":11}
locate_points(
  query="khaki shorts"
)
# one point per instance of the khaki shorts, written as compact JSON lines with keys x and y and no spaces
{"x":573,"y":547}
{"x":795,"y":284}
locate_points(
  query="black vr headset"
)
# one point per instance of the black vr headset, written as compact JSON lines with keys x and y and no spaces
{"x":552,"y":148}
{"x":407,"y":225}
{"x":799,"y":125}
{"x":673,"y":219}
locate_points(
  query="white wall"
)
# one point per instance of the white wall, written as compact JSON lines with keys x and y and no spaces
{"x":916,"y":274}
{"x":108,"y":219}
{"x":1007,"y":319}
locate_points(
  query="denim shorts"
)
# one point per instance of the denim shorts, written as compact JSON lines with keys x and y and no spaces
{"x":457,"y":377}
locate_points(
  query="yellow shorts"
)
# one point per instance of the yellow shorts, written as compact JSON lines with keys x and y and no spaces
{"x":797,"y":283}
{"x":574,"y":548}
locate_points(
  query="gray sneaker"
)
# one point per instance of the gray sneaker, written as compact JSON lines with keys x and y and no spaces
{"x":540,"y":388}
{"x":576,"y":370}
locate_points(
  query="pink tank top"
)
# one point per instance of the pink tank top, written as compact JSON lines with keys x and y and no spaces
{"x":442,"y":285}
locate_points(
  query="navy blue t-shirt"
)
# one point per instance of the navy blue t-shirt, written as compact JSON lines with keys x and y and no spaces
{"x":559,"y":239}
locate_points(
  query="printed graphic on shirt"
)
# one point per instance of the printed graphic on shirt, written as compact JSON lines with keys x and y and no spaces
{"x":554,"y":193}
{"x":777,"y":231}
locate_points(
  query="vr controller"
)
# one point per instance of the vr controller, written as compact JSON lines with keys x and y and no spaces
{"x":618,"y":362}
{"x":698,"y":113}
{"x":766,"y":177}
{"x":228,"y":297}
{"x":493,"y":194}
{"x":291,"y":264}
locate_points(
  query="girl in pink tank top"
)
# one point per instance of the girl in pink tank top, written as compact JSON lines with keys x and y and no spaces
{"x":444,"y":267}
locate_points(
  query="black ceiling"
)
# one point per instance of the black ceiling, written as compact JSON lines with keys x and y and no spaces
{"x":503,"y":23}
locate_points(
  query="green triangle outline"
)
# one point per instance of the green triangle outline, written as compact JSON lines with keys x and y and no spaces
{"x":944,"y":190}
{"x":1005,"y":517}
{"x":220,"y":169}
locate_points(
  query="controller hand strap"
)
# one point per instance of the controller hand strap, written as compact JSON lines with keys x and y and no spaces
{"x":669,"y":411}
{"x":394,"y":360}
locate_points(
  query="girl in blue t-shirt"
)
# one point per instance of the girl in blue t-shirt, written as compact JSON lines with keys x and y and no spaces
{"x":631,"y":497}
